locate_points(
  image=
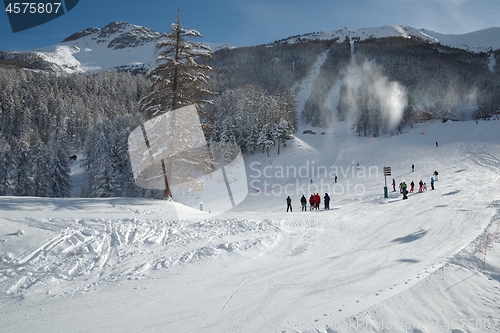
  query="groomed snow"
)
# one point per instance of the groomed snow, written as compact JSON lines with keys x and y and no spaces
{"x":368,"y":264}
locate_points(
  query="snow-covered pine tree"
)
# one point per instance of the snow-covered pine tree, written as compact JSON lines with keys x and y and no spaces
{"x":253,"y":138}
{"x":266,"y":138}
{"x":22,"y":177}
{"x":178,"y":81}
{"x":227,"y":135}
{"x":6,"y":165}
{"x":42,"y":172}
{"x":282,"y":132}
{"x":98,"y":160}
{"x":59,"y":169}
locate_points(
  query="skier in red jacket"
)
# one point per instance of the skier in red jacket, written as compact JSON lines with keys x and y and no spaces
{"x":317,"y":200}
{"x":311,"y":202}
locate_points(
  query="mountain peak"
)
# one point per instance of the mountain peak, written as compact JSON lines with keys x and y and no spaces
{"x":80,"y":34}
{"x":117,"y":35}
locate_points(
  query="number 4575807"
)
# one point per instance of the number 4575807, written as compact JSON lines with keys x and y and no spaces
{"x":33,"y":8}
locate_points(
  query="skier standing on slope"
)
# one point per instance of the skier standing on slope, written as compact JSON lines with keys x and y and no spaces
{"x":405,"y":194}
{"x":317,"y":200}
{"x":412,"y":186}
{"x":311,"y":202}
{"x":421,"y":186}
{"x":432,"y":183}
{"x":288,"y":204}
{"x":404,"y":190}
{"x":435,"y":175}
{"x":327,"y":201}
{"x":303,"y":201}
{"x":412,"y":167}
{"x":393,"y":185}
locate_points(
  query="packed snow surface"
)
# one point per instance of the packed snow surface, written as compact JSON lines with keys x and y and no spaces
{"x":369,"y":264}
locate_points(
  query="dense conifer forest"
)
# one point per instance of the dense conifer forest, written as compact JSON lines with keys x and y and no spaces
{"x":46,"y":117}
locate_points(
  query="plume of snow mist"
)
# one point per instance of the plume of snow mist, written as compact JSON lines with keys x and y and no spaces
{"x":368,"y":83}
{"x":492,"y":64}
{"x":392,"y":99}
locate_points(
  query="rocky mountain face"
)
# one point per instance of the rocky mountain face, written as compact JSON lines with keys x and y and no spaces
{"x":117,"y":35}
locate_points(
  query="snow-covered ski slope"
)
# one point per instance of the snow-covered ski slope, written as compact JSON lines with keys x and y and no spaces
{"x":369,"y":264}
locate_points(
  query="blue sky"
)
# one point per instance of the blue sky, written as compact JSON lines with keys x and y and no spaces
{"x":252,"y":22}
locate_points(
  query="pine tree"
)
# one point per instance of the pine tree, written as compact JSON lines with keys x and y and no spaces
{"x":282,"y":132}
{"x":266,"y":138}
{"x":178,"y":81}
{"x":42,"y":173}
{"x":6,"y":165}
{"x":60,"y":171}
{"x":98,"y":161}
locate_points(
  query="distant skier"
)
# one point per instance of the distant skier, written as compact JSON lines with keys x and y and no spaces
{"x":432,"y":183}
{"x":335,"y":178}
{"x":421,"y":186}
{"x":413,"y":168}
{"x":311,"y":202}
{"x":435,"y":175}
{"x":437,"y":144}
{"x":303,"y":201}
{"x":288,"y":204}
{"x":412,"y":186}
{"x":327,"y":201}
{"x":317,"y":200}
{"x":393,"y":185}
{"x":425,"y":186}
{"x":404,"y":188}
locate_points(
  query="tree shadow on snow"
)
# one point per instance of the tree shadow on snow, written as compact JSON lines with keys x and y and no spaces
{"x":452,"y":192}
{"x":409,"y":261}
{"x":411,"y":237}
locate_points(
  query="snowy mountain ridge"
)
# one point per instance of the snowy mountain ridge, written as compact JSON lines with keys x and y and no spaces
{"x":132,"y":47}
{"x":117,"y":45}
{"x":486,"y":40}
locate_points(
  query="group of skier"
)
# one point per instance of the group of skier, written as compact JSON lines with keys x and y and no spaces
{"x":315,"y":198}
{"x":314,"y":202}
{"x":403,"y":187}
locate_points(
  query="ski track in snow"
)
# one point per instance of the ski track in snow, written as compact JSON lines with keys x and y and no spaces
{"x":305,"y":87}
{"x":98,"y":250}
